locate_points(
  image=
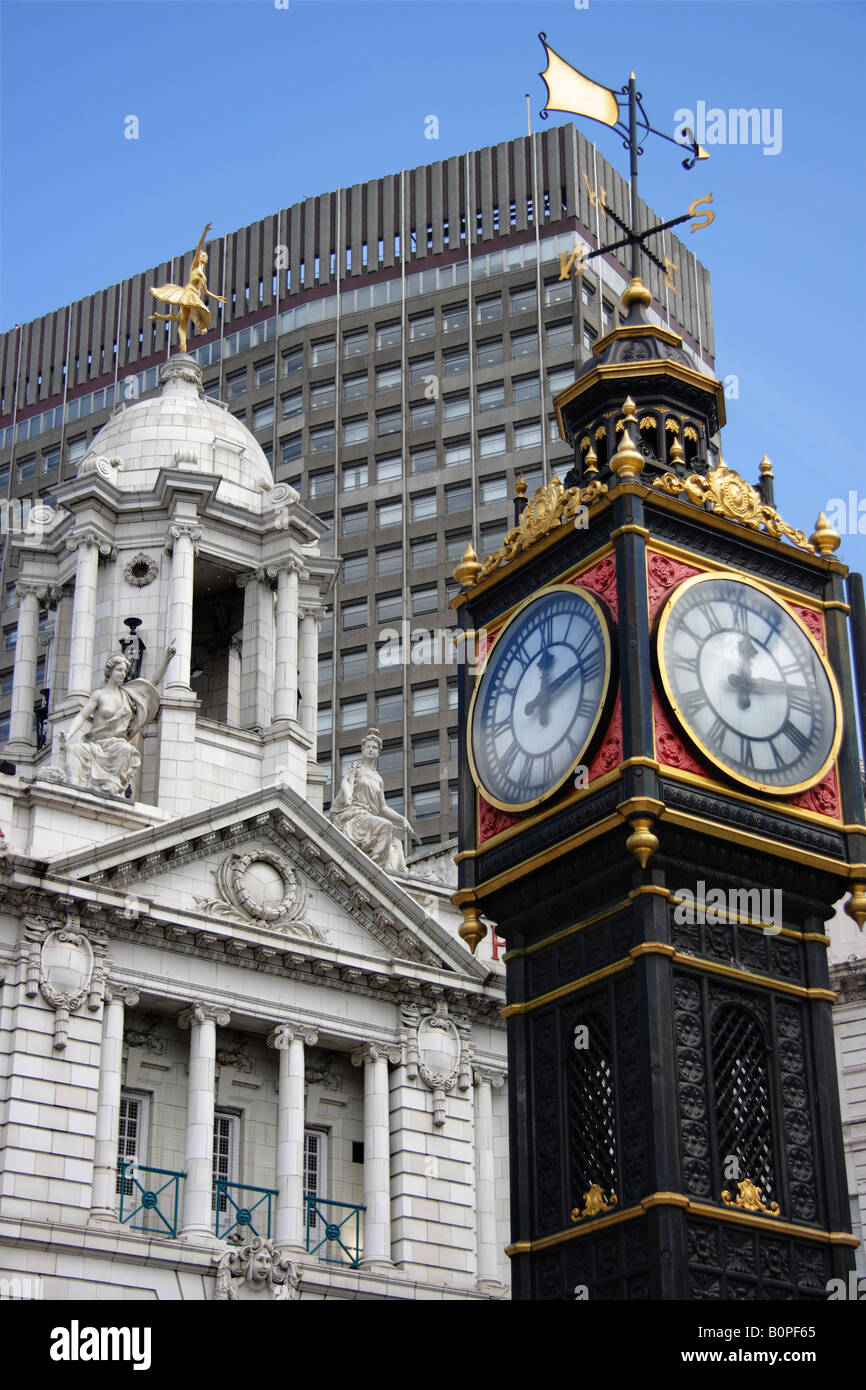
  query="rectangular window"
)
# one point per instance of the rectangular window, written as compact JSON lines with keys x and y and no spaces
{"x":315,"y":1174}
{"x":607,"y":315}
{"x":389,"y":335}
{"x":263,"y":416}
{"x":490,"y":353}
{"x":389,"y":513}
{"x":455,"y":544}
{"x":347,"y":756}
{"x":355,"y":344}
{"x":388,"y":607}
{"x":389,"y":560}
{"x":557,"y":381}
{"x":524,"y":345}
{"x":525,"y":388}
{"x":322,"y":484}
{"x":321,"y":439}
{"x":355,"y":431}
{"x":560,"y":334}
{"x":322,"y":396}
{"x":489,"y":309}
{"x":557,"y":292}
{"x":424,"y":326}
{"x":533,"y":477}
{"x":291,"y":447}
{"x":353,"y":713}
{"x":457,"y":451}
{"x":389,"y":379}
{"x":457,"y":406}
{"x":355,"y":568}
{"x":458,"y":497}
{"x":491,"y":397}
{"x":494,"y":489}
{"x":224,"y":1159}
{"x":524,"y":301}
{"x":422,"y":413}
{"x":453,"y":696}
{"x":527,"y":435}
{"x":589,"y":336}
{"x":425,"y":802}
{"x":51,"y":459}
{"x":389,"y":469}
{"x":27,"y":468}
{"x":424,"y":552}
{"x":587,"y":292}
{"x":355,"y":387}
{"x":130,"y":1140}
{"x":423,"y":505}
{"x":354,"y":521}
{"x":293,"y":361}
{"x":354,"y":475}
{"x":419,"y":368}
{"x":323,"y":351}
{"x":326,"y":670}
{"x":425,"y":600}
{"x":264,"y":372}
{"x":453,"y":798}
{"x":552,"y":431}
{"x":423,"y":460}
{"x":493,"y":442}
{"x":292,"y":404}
{"x":425,"y":699}
{"x":389,"y":655}
{"x":395,"y":801}
{"x":389,"y":705}
{"x":425,"y":750}
{"x":391,"y":758}
{"x":388,"y":422}
{"x":236,"y":384}
{"x":493,"y":536}
{"x":324,"y":719}
{"x":455,"y":363}
{"x":76,"y":448}
{"x":455,"y":318}
{"x":355,"y":614}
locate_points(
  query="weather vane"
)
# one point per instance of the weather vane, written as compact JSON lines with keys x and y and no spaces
{"x":570,"y":90}
{"x":190,"y":297}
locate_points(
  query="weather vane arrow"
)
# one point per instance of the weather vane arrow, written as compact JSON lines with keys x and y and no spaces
{"x":572,"y":91}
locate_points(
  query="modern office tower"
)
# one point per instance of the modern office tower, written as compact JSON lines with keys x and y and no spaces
{"x":394,"y":347}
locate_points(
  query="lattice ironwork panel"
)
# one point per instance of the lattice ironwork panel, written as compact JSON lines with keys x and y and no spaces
{"x":591,"y":1109}
{"x":742,"y":1094}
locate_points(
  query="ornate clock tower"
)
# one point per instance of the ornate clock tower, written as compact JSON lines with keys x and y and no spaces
{"x":661,"y":801}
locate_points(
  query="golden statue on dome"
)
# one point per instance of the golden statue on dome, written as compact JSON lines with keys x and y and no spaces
{"x":190,"y":297}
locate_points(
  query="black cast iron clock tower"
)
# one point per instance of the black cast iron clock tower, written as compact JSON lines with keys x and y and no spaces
{"x":661,"y":800}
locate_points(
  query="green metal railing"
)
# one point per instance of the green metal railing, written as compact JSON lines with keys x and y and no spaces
{"x":323,"y":1231}
{"x":149,"y":1196}
{"x":243,"y":1215}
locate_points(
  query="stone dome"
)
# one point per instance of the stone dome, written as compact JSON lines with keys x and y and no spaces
{"x":182,"y":428}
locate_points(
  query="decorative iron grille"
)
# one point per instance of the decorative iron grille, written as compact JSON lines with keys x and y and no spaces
{"x":742,"y":1095}
{"x":592,"y":1145}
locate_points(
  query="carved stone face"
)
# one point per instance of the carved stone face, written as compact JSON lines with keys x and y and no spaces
{"x":370,"y":748}
{"x":260,"y":1267}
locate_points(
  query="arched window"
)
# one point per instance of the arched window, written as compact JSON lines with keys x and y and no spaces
{"x":591,"y":1109}
{"x":742,"y":1097}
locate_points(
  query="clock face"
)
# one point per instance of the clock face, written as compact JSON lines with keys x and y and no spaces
{"x":748,"y":684}
{"x":540,"y":698}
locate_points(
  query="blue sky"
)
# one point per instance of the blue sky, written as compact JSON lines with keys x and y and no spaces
{"x":244,"y":107}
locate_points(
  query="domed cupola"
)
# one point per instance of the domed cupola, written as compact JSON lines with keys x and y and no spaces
{"x":640,"y":385}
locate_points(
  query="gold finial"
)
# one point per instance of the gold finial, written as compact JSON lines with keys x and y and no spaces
{"x":642,"y":842}
{"x":468,"y":569}
{"x":824,"y":538}
{"x":628,"y":410}
{"x":520,"y":486}
{"x":636,"y":292}
{"x":766,"y":468}
{"x":676,"y":451}
{"x":473,"y":929}
{"x":855,"y":907}
{"x":626,"y":462}
{"x":590,"y":463}
{"x":191,"y":296}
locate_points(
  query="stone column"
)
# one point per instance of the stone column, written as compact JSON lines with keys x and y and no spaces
{"x":103,"y":1201}
{"x":309,"y":663}
{"x":28,"y":595}
{"x":290,"y":1039}
{"x":286,"y":665}
{"x":181,"y":544}
{"x":89,"y":545}
{"x":257,"y":651}
{"x":201,"y":1020}
{"x":233,"y":698}
{"x":487,"y":1248}
{"x":377,"y":1150}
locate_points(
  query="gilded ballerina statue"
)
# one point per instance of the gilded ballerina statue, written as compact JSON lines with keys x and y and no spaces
{"x":190,"y":297}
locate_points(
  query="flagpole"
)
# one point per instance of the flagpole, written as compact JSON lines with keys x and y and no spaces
{"x":632,"y":149}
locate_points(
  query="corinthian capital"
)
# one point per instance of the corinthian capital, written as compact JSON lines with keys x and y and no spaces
{"x":285,"y":1033}
{"x":203,"y":1013}
{"x":177,"y":530}
{"x":311,"y":611}
{"x":376,"y":1052}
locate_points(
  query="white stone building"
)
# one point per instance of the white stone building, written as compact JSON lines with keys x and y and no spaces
{"x":203,"y":979}
{"x":848,"y":979}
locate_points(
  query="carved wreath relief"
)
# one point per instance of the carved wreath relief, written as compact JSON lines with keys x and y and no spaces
{"x":262,"y":887}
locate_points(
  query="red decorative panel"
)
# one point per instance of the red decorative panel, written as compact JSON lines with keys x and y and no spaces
{"x":609,"y":754}
{"x":663,"y":574}
{"x":670,"y":748}
{"x":601,"y":579}
{"x":813,"y":622}
{"x":492,"y":821}
{"x":824,"y":798}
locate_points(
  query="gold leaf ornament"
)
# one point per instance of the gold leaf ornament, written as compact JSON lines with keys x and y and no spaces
{"x":733,"y":497}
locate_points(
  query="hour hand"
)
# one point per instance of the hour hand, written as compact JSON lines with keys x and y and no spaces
{"x":545,"y":662}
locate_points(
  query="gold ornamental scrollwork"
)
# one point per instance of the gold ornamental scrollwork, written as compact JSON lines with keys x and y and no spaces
{"x":551,"y":507}
{"x":594,"y":1202}
{"x":733,"y":497}
{"x":750,"y":1198}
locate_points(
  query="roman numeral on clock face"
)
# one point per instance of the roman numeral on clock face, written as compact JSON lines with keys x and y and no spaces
{"x":802,"y":742}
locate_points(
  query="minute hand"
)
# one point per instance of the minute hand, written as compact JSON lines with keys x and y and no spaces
{"x":757,"y":686}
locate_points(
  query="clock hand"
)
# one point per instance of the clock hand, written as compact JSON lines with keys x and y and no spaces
{"x":742,"y":680}
{"x":564,"y":678}
{"x":543,"y":697}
